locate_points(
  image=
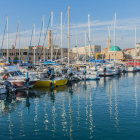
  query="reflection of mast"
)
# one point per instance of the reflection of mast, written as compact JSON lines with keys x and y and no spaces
{"x":53,"y":113}
{"x":64,"y":123}
{"x":45,"y":113}
{"x":86,"y":105}
{"x":36,"y":113}
{"x":90,"y":116}
{"x":110,"y":98}
{"x":21,"y":119}
{"x":10,"y":125}
{"x":70,"y":110}
{"x":136,"y":95}
{"x":78,"y":108}
{"x":116,"y":105}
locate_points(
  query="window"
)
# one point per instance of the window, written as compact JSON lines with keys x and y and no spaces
{"x":24,"y":53}
{"x":13,"y":73}
{"x":20,"y":73}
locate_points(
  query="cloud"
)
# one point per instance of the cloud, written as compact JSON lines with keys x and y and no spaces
{"x":99,"y":34}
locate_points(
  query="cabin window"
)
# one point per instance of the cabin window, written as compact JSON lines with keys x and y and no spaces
{"x":20,"y":73}
{"x":13,"y":73}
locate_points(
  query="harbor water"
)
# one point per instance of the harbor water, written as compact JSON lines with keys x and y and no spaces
{"x":107,"y":109}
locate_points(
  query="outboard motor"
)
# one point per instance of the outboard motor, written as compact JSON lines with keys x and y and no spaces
{"x":9,"y":86}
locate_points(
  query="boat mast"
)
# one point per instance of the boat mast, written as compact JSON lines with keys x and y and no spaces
{"x":7,"y":42}
{"x":108,"y":42}
{"x":44,"y":34}
{"x":61,"y":43}
{"x":85,"y":46}
{"x":68,"y":37}
{"x":34,"y":44}
{"x":77,"y":49}
{"x":52,"y":36}
{"x":19,"y":41}
{"x":114,"y":36}
{"x":135,"y":37}
{"x":89,"y":32}
{"x":135,"y":43}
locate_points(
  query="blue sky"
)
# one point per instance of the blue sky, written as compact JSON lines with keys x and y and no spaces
{"x":101,"y":11}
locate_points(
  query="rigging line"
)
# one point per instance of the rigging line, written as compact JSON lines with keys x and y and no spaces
{"x":39,"y":41}
{"x":3,"y":39}
{"x":45,"y":35}
{"x":30,"y":45}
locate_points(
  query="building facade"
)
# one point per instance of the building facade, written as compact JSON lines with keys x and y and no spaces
{"x":14,"y":54}
{"x":87,"y":50}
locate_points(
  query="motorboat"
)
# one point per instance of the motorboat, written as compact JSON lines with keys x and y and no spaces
{"x":16,"y":77}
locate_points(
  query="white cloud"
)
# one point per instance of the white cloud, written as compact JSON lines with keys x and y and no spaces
{"x":99,"y":34}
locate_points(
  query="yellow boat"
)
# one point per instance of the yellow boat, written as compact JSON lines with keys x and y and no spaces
{"x":43,"y":83}
{"x":60,"y":82}
{"x":47,"y":83}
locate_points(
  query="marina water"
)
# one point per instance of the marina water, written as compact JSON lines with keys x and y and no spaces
{"x":107,"y":109}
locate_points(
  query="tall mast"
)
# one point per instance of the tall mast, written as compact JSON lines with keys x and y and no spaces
{"x":135,"y":43}
{"x":89,"y":32}
{"x":61,"y":36}
{"x":108,"y":41}
{"x":34,"y":44}
{"x":135,"y":37}
{"x":114,"y":35}
{"x":19,"y":42}
{"x":44,"y":34}
{"x":85,"y":46}
{"x":52,"y":36}
{"x":68,"y":37}
{"x":77,"y":47}
{"x":7,"y":42}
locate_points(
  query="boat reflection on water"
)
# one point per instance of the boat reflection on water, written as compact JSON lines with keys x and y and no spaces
{"x":67,"y":110}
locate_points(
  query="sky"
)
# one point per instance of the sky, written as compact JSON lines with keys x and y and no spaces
{"x":30,"y":12}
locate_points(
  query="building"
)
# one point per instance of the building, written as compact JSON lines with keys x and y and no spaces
{"x":37,"y":53}
{"x":23,"y":53}
{"x":137,"y":45}
{"x":113,"y":53}
{"x":87,"y":50}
